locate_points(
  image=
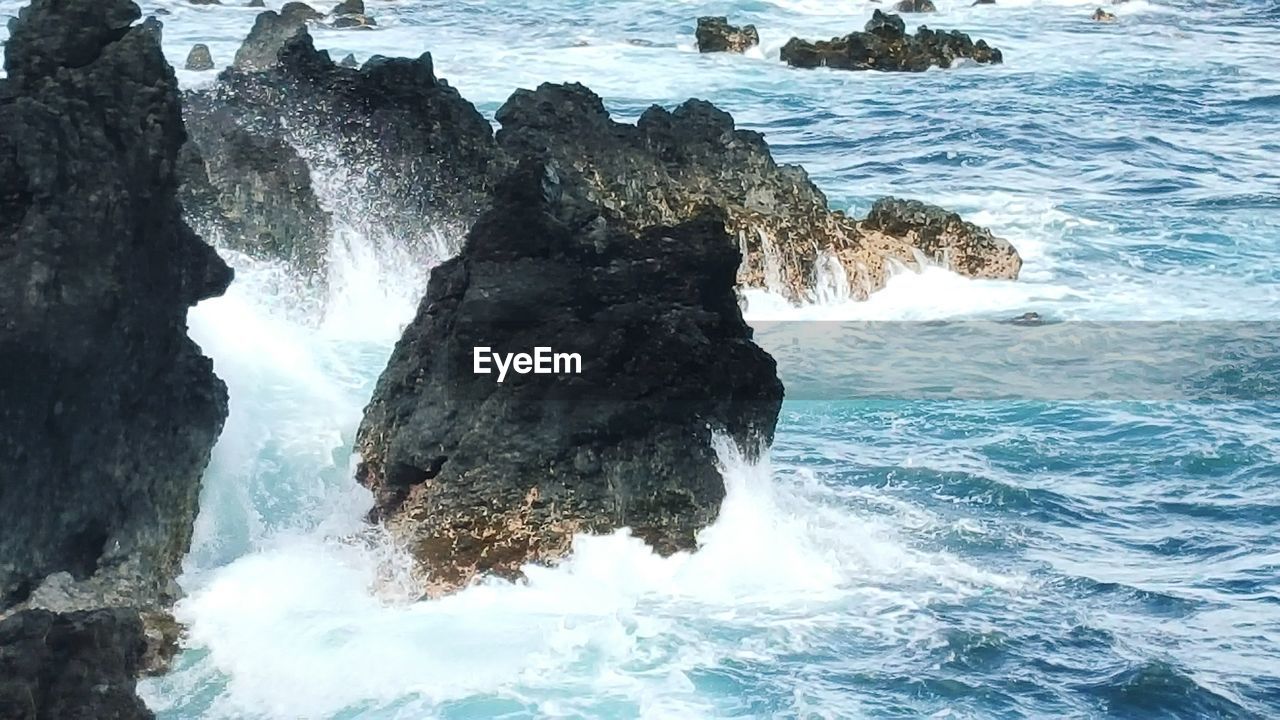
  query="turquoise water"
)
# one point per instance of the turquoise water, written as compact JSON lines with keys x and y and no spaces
{"x":1042,"y":555}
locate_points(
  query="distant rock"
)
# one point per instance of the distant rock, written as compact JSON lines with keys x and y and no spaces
{"x":349,"y":7}
{"x":300,"y":11}
{"x":915,"y":6}
{"x":199,"y":58}
{"x":350,"y":61}
{"x":205,"y":2}
{"x":74,"y":666}
{"x":659,"y":171}
{"x":354,"y":21}
{"x":1103,"y":16}
{"x":885,"y":45}
{"x":983,"y":2}
{"x":256,"y":3}
{"x":715,"y":34}
{"x":269,"y":33}
{"x":477,"y":476}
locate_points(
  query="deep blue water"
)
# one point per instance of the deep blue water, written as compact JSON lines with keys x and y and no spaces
{"x":1040,"y":555}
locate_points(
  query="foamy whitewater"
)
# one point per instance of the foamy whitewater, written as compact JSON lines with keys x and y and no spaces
{"x":892,"y":558}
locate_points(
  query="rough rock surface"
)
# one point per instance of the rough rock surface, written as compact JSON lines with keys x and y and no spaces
{"x":199,"y":59}
{"x":477,"y":476}
{"x":271,"y":30}
{"x":885,"y":45}
{"x":75,"y":666}
{"x":420,"y":157}
{"x":943,"y":237}
{"x":663,"y":169}
{"x":251,"y":190}
{"x":715,"y":34}
{"x":108,"y":411}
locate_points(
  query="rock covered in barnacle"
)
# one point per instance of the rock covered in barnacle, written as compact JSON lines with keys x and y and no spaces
{"x":885,"y":45}
{"x":478,"y":476}
{"x":944,"y":237}
{"x":661,"y":170}
{"x":715,"y":34}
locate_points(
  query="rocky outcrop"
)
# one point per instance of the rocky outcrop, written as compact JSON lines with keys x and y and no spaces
{"x":75,"y":666}
{"x":885,"y":45}
{"x":251,"y":190}
{"x":270,"y":31}
{"x":715,"y":34}
{"x":477,"y":474}
{"x":944,"y":238}
{"x":663,"y":169}
{"x":108,"y":411}
{"x":420,"y":158}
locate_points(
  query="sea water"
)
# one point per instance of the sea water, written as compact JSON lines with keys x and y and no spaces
{"x":895,"y":556}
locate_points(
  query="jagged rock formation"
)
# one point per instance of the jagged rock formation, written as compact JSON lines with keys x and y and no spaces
{"x":480,"y":476}
{"x":885,"y":45}
{"x":420,"y":157}
{"x":715,"y":34}
{"x":664,"y":168}
{"x":108,"y":411}
{"x":75,"y":666}
{"x":271,"y":30}
{"x":251,"y":190}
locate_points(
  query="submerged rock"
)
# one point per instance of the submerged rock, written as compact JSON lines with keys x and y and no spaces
{"x":885,"y":45}
{"x":1103,"y":16}
{"x":915,"y":6}
{"x":663,"y":169}
{"x":199,"y":58}
{"x":108,"y":411}
{"x":715,"y":34}
{"x":476,"y":475}
{"x":75,"y":665}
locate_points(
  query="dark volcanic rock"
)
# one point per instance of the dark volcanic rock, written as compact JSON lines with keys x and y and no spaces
{"x":915,"y":6}
{"x":199,"y":58}
{"x":252,"y":190}
{"x":715,"y":34}
{"x":885,"y":45}
{"x":421,"y":158}
{"x":108,"y":410}
{"x":77,"y":666}
{"x":349,"y":7}
{"x":477,"y":476}
{"x":354,"y":21}
{"x":663,"y":169}
{"x":269,"y":33}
